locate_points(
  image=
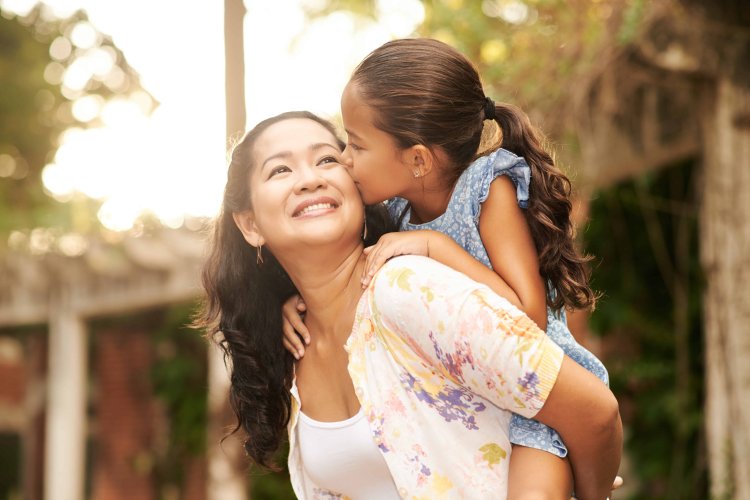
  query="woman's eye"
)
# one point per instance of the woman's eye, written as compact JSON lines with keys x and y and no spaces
{"x":328,"y":159}
{"x":278,"y":170}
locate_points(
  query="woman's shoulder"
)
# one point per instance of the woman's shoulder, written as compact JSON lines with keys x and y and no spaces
{"x":407,"y":265}
{"x":413,"y":274}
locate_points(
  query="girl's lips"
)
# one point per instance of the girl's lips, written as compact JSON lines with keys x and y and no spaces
{"x":314,"y":205}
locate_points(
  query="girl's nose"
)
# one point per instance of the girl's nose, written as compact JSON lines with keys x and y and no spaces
{"x":346,"y":157}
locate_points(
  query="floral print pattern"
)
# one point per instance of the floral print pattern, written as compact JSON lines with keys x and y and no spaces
{"x":461,"y":222}
{"x":438,"y":363}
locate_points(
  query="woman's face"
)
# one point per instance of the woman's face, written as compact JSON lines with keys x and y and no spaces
{"x":375,"y":161}
{"x":300,"y":192}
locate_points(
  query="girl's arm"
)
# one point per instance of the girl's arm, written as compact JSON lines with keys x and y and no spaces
{"x":437,"y":246}
{"x":507,"y":238}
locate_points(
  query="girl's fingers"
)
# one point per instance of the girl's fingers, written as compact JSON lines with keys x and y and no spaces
{"x":291,"y":337}
{"x":368,"y":264}
{"x":290,"y":348}
{"x":300,"y":330}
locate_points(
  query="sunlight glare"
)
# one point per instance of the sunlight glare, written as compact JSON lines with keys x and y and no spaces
{"x":18,"y":7}
{"x":83,"y":35}
{"x":87,"y":107}
{"x":60,"y":48}
{"x":401,"y":17}
{"x":62,"y":8}
{"x":118,"y":214}
{"x":101,"y":59}
{"x":57,"y":182}
{"x":7,"y":165}
{"x":53,"y":73}
{"x":77,"y":75}
{"x":171,"y":161}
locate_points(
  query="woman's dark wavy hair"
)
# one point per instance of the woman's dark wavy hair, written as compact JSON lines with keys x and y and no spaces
{"x":425,"y":92}
{"x":242,"y":308}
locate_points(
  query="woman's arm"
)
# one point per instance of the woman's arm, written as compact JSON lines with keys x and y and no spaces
{"x":507,"y":238}
{"x":586,"y":415}
{"x":497,"y":352}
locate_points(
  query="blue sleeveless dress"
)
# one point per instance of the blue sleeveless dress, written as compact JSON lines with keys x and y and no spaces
{"x":461,"y":222}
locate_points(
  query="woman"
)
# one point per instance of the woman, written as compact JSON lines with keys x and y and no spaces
{"x":408,"y":386}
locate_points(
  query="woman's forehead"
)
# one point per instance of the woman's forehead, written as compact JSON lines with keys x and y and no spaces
{"x":292,"y":135}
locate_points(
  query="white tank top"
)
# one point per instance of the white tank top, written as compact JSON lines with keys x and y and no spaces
{"x":342,"y":457}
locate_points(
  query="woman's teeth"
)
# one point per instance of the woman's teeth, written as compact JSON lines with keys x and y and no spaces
{"x":317,"y":206}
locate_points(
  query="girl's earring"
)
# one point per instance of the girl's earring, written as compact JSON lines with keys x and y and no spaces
{"x":364,"y":234}
{"x":259,"y":254}
{"x":417,"y":174}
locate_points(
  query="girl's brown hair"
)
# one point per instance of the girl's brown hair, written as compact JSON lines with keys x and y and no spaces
{"x":425,"y":92}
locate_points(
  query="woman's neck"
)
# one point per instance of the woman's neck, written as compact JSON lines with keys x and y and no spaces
{"x":331,"y":290}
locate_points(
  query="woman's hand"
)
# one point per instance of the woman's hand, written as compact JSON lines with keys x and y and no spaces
{"x":586,"y":414}
{"x":293,"y":326}
{"x":392,"y":245}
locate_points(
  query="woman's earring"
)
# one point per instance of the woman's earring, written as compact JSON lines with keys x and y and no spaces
{"x":259,"y":254}
{"x":364,"y":234}
{"x":417,"y":174}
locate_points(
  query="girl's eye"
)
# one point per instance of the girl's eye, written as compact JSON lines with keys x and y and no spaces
{"x":278,"y":170}
{"x":354,"y":146}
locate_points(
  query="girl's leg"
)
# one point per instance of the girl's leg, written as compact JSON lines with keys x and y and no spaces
{"x":538,"y":475}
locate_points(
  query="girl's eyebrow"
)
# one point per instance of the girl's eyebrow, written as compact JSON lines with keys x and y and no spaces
{"x":352,"y":134}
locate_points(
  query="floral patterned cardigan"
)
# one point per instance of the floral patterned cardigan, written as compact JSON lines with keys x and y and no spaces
{"x":438,"y":363}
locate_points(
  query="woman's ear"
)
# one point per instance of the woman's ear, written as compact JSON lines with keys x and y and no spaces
{"x":419,"y":159}
{"x":245,"y":222}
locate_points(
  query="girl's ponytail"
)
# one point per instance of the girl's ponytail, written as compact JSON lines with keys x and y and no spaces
{"x":560,"y":263}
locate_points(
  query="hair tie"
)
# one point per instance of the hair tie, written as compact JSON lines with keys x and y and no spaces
{"x":489,"y":109}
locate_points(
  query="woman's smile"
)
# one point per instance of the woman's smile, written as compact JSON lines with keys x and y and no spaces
{"x":315,"y":207}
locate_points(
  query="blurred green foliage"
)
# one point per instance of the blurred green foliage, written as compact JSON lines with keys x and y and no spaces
{"x":28,"y":126}
{"x":272,"y":485}
{"x":533,"y":53}
{"x":179,"y":377}
{"x":35,"y":109}
{"x":644,"y":236}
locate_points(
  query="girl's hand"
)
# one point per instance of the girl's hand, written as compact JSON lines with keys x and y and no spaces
{"x":615,"y":485}
{"x":294,"y":327}
{"x":391,"y":245}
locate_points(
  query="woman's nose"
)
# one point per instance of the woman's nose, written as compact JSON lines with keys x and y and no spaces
{"x":309,"y":179}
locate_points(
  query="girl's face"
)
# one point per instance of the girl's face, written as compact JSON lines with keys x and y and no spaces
{"x":300,"y":191}
{"x":375,"y":161}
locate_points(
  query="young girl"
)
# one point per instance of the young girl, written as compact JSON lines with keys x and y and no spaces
{"x":414,"y":111}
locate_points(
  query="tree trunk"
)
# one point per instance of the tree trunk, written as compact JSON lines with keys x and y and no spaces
{"x":725,"y":256}
{"x":227,"y":464}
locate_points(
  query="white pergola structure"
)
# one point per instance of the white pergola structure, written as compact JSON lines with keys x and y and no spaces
{"x":64,"y":293}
